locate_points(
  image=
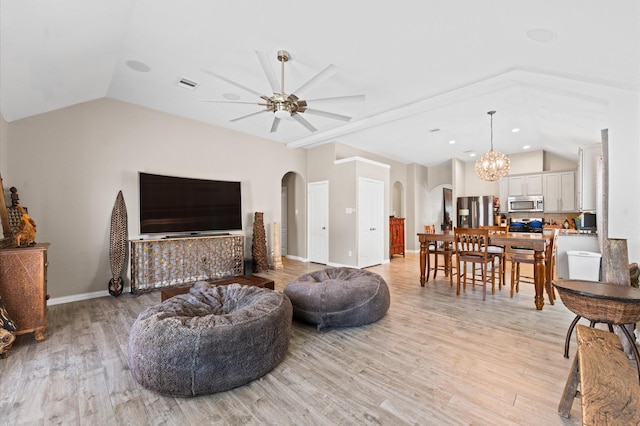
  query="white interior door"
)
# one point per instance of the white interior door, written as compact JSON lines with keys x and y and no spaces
{"x":370,"y":222}
{"x":318,"y":222}
{"x":284,"y":221}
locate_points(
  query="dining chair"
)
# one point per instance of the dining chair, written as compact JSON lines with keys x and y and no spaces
{"x":498,"y":252}
{"x":518,"y":256}
{"x":443,"y":250}
{"x":472,"y":246}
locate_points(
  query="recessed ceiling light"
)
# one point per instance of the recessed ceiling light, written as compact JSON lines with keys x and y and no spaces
{"x":230,"y":96}
{"x":138,"y":66}
{"x":452,"y":142}
{"x":516,"y":130}
{"x":541,"y":35}
{"x":526,"y":147}
{"x":472,"y":154}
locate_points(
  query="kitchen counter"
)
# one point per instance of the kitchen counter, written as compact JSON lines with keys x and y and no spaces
{"x":576,"y":232}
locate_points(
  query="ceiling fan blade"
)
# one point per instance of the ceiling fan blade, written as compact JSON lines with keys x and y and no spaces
{"x":268,"y":70}
{"x":249,"y":115}
{"x":317,"y":79}
{"x":230,"y":102}
{"x":230,"y":82}
{"x":304,"y":122}
{"x":276,"y":123}
{"x":327,"y":114}
{"x":350,"y":98}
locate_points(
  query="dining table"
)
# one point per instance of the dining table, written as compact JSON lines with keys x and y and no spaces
{"x":538,"y":242}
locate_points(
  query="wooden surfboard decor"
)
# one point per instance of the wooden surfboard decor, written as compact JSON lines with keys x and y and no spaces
{"x":117,"y":244}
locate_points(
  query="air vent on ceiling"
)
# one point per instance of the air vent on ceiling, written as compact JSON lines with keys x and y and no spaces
{"x":187,"y":84}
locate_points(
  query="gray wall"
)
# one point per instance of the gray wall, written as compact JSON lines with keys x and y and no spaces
{"x":69,"y":165}
{"x":343,"y":194}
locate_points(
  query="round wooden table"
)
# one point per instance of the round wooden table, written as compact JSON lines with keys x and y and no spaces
{"x":606,"y":303}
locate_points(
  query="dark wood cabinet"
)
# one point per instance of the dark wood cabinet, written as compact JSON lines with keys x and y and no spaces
{"x":396,"y":236}
{"x":23,"y":287}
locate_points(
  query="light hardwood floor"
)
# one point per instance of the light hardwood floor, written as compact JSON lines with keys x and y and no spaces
{"x":434,"y":359}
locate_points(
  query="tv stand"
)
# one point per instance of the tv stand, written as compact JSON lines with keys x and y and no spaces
{"x":169,"y":262}
{"x":195,"y":234}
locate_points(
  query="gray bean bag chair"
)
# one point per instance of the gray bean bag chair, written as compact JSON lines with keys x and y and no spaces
{"x":339,"y":297}
{"x":210,"y":340}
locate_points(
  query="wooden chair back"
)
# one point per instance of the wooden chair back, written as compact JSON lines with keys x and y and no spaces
{"x":471,"y":244}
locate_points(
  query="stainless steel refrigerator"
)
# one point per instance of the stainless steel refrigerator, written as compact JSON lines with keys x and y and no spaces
{"x":474,"y":212}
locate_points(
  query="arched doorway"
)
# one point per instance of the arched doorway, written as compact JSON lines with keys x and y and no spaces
{"x":397,"y":199}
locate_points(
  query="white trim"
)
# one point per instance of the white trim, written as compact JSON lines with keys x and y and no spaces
{"x":340,"y":265}
{"x":82,"y":296}
{"x":362,"y":159}
{"x":301,"y":259}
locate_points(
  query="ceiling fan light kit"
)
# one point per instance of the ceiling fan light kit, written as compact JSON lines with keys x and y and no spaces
{"x":492,"y":165}
{"x":283,"y":105}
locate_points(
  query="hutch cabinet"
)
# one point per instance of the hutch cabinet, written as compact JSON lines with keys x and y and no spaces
{"x":396,"y":236}
{"x":23,"y":287}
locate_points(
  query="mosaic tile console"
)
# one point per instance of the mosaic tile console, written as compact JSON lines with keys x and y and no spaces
{"x":170,"y":262}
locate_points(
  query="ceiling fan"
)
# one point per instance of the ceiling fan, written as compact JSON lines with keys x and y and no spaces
{"x":283,"y":104}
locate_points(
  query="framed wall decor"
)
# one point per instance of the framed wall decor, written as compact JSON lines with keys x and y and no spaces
{"x":7,"y":238}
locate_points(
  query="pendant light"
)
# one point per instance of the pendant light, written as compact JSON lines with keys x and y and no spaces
{"x":492,"y":165}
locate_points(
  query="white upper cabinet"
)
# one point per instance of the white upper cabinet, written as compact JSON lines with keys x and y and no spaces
{"x":587,"y":162}
{"x":525,"y":185}
{"x":559,"y":192}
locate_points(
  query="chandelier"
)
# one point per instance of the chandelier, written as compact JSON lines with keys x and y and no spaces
{"x":492,"y":165}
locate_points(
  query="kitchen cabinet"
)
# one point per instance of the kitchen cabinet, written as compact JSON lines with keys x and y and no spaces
{"x":559,"y":192}
{"x":525,"y":185}
{"x":588,"y":157}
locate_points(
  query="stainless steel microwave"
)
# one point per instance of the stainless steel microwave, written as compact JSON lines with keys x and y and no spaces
{"x":530,"y":203}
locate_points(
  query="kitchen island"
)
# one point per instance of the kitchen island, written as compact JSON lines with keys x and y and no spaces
{"x":568,"y":241}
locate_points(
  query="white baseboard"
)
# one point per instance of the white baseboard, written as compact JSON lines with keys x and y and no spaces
{"x":299,"y":259}
{"x":81,"y":296}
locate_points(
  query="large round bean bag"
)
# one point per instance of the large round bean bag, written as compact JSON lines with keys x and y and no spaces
{"x":210,"y":340}
{"x":339,"y":297}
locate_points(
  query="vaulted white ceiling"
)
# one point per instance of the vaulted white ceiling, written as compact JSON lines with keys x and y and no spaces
{"x":422,"y":65}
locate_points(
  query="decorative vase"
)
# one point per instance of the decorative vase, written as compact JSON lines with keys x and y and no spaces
{"x":117,"y":244}
{"x":259,"y":247}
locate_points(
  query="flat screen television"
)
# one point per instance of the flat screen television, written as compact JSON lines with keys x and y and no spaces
{"x":178,"y":204}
